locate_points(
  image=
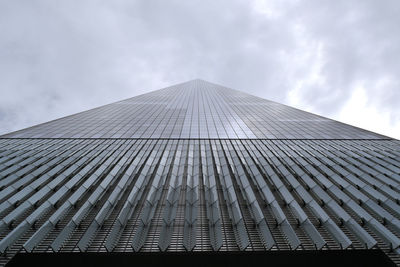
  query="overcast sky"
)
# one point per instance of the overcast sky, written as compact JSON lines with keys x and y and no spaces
{"x":339,"y":59}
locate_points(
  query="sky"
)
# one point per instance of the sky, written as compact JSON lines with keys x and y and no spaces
{"x":339,"y":59}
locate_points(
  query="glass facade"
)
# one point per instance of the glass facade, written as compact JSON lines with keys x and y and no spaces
{"x":195,"y":109}
{"x":197,"y":167}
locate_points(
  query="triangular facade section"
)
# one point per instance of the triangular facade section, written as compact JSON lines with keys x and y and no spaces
{"x":196,"y":109}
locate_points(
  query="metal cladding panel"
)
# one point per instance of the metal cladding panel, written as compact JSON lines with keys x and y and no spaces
{"x":176,"y":195}
{"x":197,"y":167}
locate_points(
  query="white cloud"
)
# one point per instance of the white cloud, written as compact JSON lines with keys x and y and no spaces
{"x":357,"y":111}
{"x":58,"y":58}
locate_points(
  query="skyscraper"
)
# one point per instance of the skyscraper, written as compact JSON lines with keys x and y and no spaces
{"x":196,"y":168}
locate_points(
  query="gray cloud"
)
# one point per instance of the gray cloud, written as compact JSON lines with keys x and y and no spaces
{"x":61,"y":57}
{"x":360,"y":45}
